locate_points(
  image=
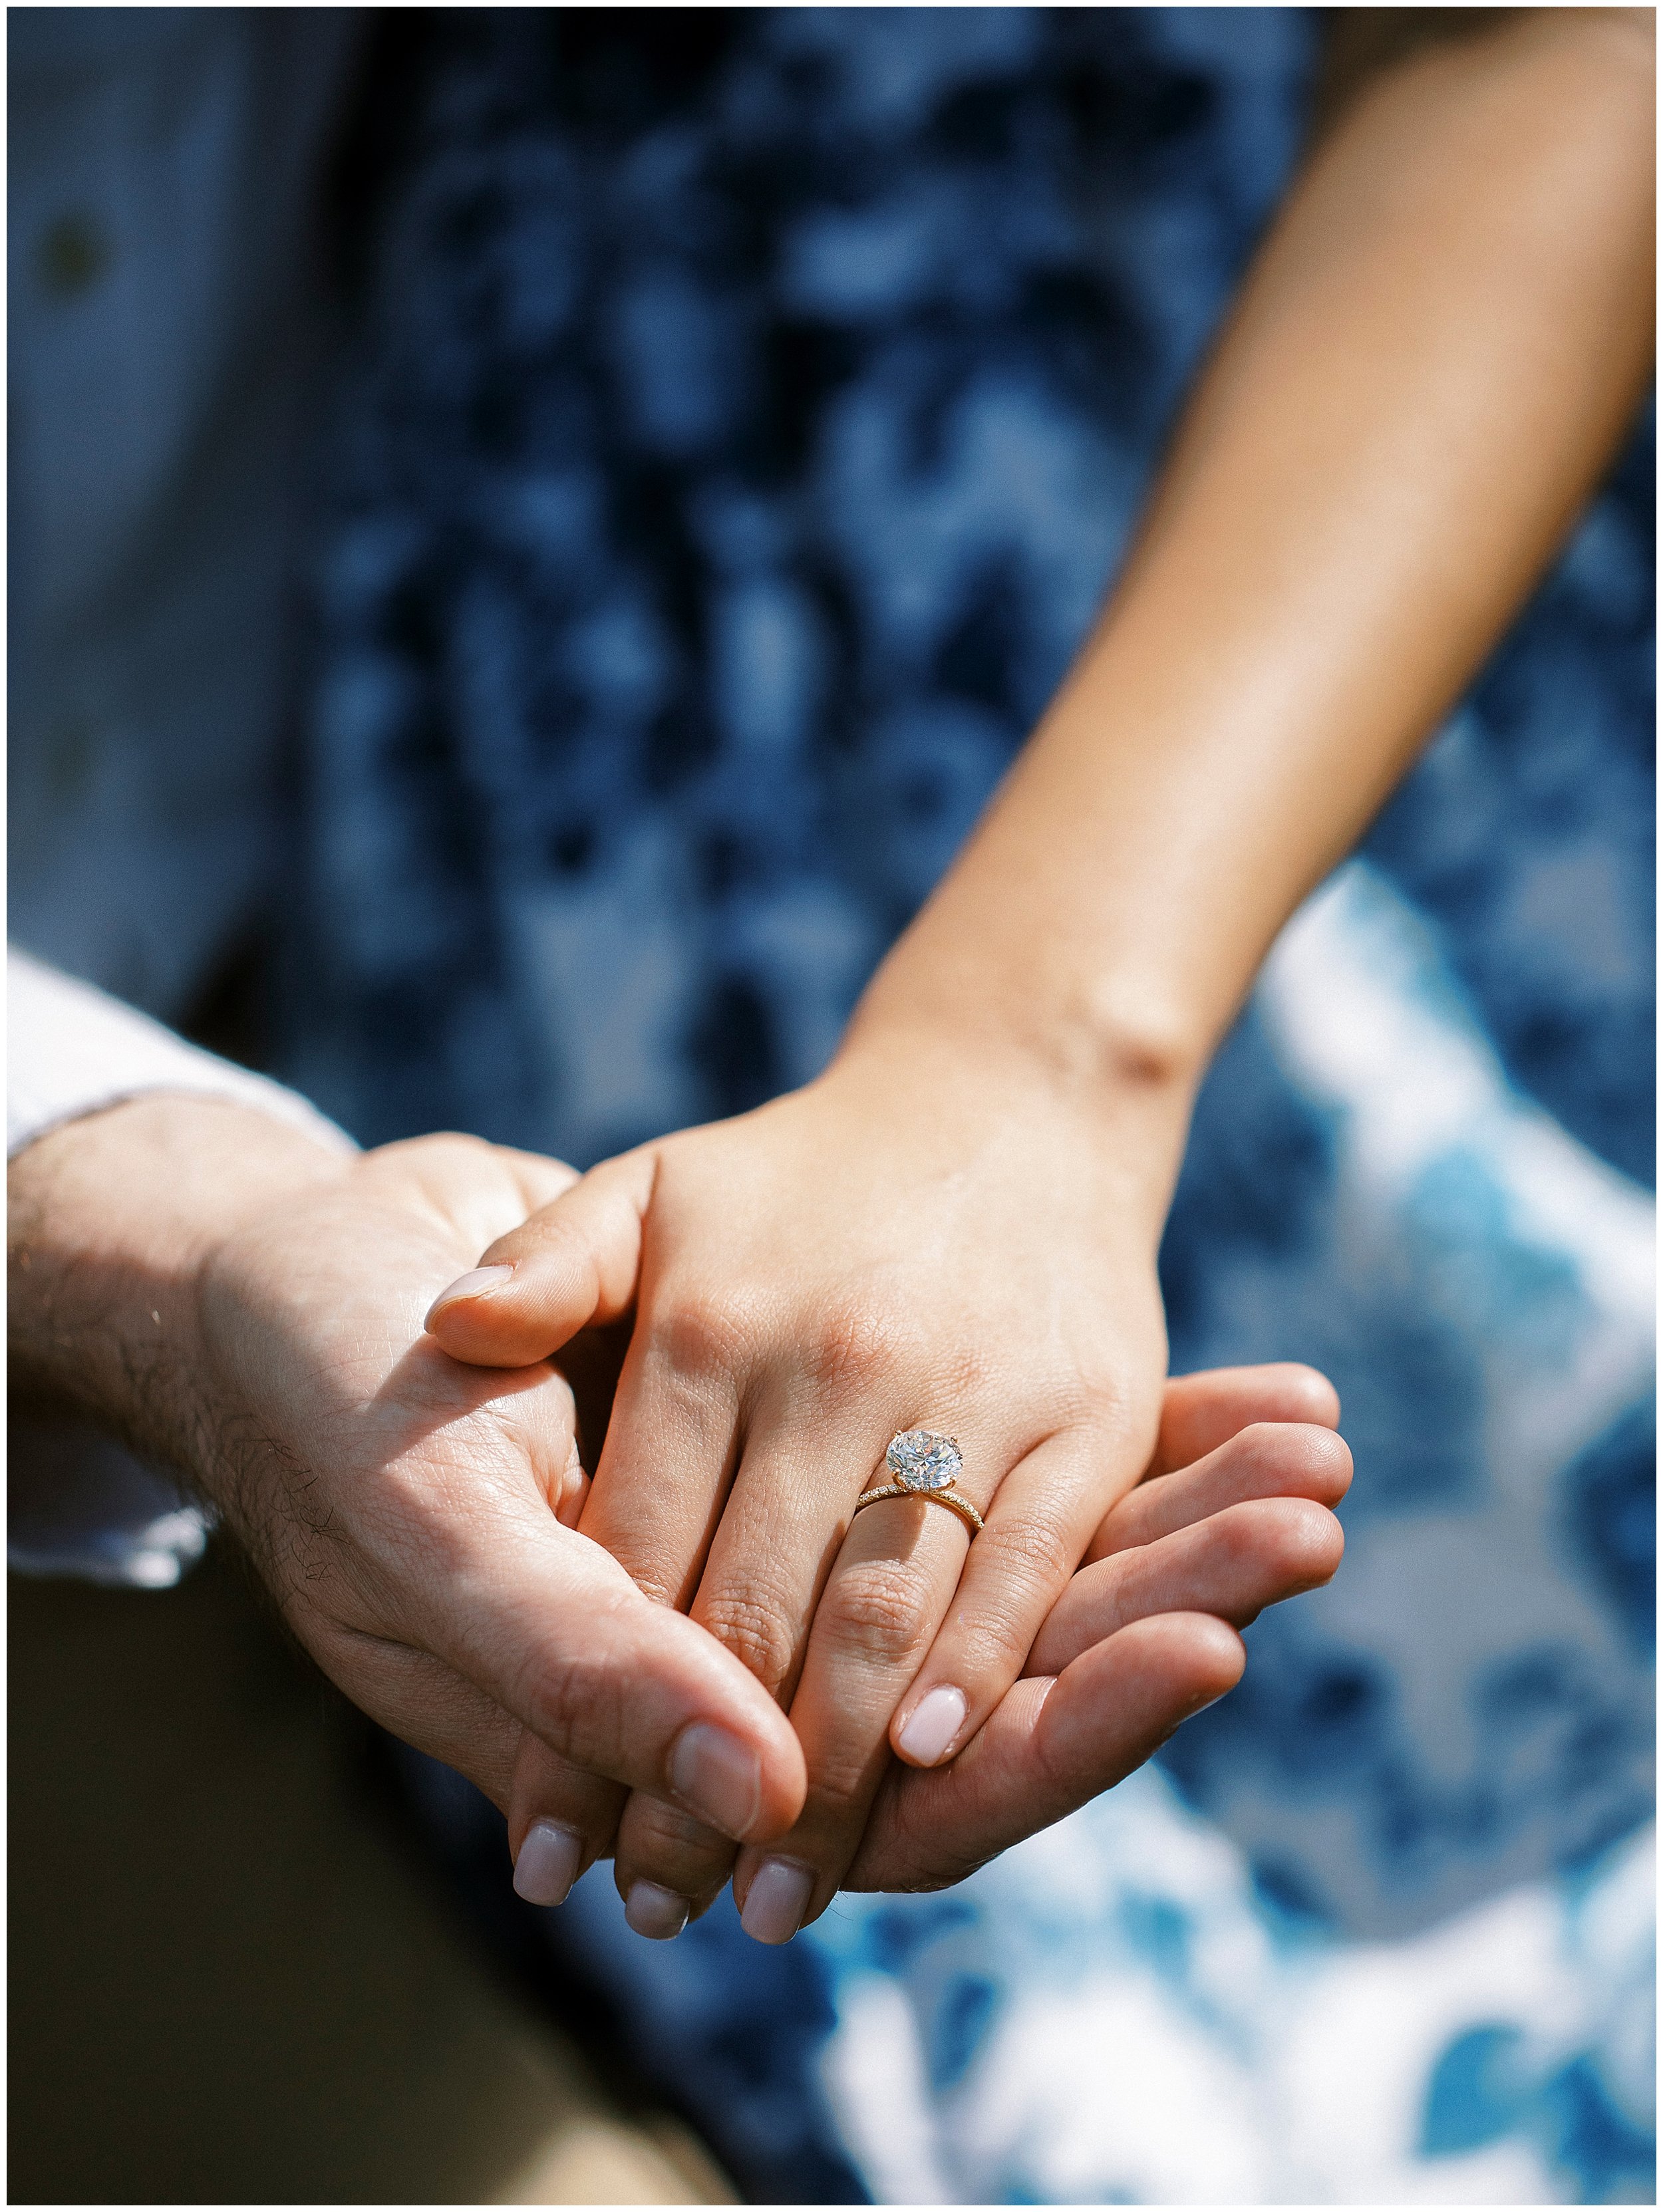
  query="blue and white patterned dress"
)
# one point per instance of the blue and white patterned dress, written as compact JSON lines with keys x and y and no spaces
{"x":749,"y":411}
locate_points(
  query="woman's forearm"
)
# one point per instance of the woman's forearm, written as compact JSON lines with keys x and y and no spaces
{"x":1430,"y":365}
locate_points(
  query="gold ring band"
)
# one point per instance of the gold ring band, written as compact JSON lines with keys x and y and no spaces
{"x":962,"y":1506}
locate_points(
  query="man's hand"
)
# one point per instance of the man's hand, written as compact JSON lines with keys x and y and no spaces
{"x":248,"y":1308}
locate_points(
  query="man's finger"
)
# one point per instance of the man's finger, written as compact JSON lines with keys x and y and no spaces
{"x":422,"y":1701}
{"x":1233,"y":1565}
{"x":551,"y":1628}
{"x":1051,"y":1746}
{"x":1271,"y":1459}
{"x":1199,"y":1412}
{"x":478,"y":1189}
{"x":560,"y":1822}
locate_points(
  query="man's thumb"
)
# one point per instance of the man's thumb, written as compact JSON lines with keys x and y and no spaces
{"x":619,"y":1687}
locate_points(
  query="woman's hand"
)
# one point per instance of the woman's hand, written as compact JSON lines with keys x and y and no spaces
{"x":962,"y":1239}
{"x":248,"y":1308}
{"x":896,"y":1247}
{"x":1234,"y":1515}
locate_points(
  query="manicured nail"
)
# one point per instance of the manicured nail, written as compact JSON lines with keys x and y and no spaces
{"x":470,"y":1285}
{"x":718,"y":1778}
{"x":777,"y":1900}
{"x":932,"y":1726}
{"x":548,"y":1862}
{"x":654,"y":1910}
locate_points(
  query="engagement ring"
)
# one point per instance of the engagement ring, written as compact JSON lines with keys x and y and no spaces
{"x":924,"y":1465}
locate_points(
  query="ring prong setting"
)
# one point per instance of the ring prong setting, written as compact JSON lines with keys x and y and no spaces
{"x":924,"y":1465}
{"x":919,"y":1460}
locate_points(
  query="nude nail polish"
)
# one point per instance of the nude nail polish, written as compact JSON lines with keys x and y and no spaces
{"x":474,"y":1284}
{"x":548,"y":1862}
{"x":932,"y":1725}
{"x":777,"y":1900}
{"x":651,"y":1910}
{"x":717,"y":1777}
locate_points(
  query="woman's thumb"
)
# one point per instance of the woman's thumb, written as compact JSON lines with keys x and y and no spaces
{"x":577,"y":1261}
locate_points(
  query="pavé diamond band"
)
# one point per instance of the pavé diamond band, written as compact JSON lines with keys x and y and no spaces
{"x":924,"y":1465}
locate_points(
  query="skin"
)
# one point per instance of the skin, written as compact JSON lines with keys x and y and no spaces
{"x":247,"y":1307}
{"x":1432,"y":360}
{"x":1234,"y":1513}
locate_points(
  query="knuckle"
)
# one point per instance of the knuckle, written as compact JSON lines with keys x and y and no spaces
{"x":546,"y":1231}
{"x":1019,"y":1575}
{"x":666,"y":1845}
{"x":1308,"y":1539}
{"x":1031,"y":1554}
{"x":694,"y":1334}
{"x":441,"y":1153}
{"x":992,"y":1644}
{"x":845,"y":1774}
{"x":854,"y":1348}
{"x":877,"y":1610}
{"x":1293,"y":1451}
{"x":576,"y":1709}
{"x":753,"y":1628}
{"x":909,"y":1847}
{"x":1259,"y":1443}
{"x":438,"y":1144}
{"x":968,"y":1376}
{"x":1093,"y":1400}
{"x":662,"y":1585}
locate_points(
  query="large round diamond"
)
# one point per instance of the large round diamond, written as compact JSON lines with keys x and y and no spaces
{"x":919,"y":1460}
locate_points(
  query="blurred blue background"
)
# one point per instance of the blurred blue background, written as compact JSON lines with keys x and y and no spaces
{"x":742,"y":426}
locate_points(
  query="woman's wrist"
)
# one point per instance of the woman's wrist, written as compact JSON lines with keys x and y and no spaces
{"x":112,"y":1220}
{"x":1029,"y":992}
{"x":1113,"y":1116}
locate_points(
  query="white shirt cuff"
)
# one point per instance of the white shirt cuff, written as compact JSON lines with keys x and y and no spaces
{"x":70,"y":1050}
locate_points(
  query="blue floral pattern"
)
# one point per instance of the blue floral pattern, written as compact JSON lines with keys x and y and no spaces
{"x":748,"y":415}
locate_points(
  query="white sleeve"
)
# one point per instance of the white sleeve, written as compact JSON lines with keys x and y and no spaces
{"x":70,"y":1051}
{"x":78,"y":1504}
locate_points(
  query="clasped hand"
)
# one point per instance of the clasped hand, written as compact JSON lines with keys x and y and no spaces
{"x":864,"y":1256}
{"x":792,"y":1288}
{"x":249,"y":1309}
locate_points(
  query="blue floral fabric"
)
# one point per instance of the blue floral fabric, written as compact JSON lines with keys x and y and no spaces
{"x":749,"y":410}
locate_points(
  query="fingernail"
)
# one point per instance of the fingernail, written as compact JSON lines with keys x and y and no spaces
{"x":470,"y":1285}
{"x":654,"y":1910}
{"x":548,"y":1862}
{"x":932,"y":1725}
{"x":718,"y":1778}
{"x":777,"y":1900}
